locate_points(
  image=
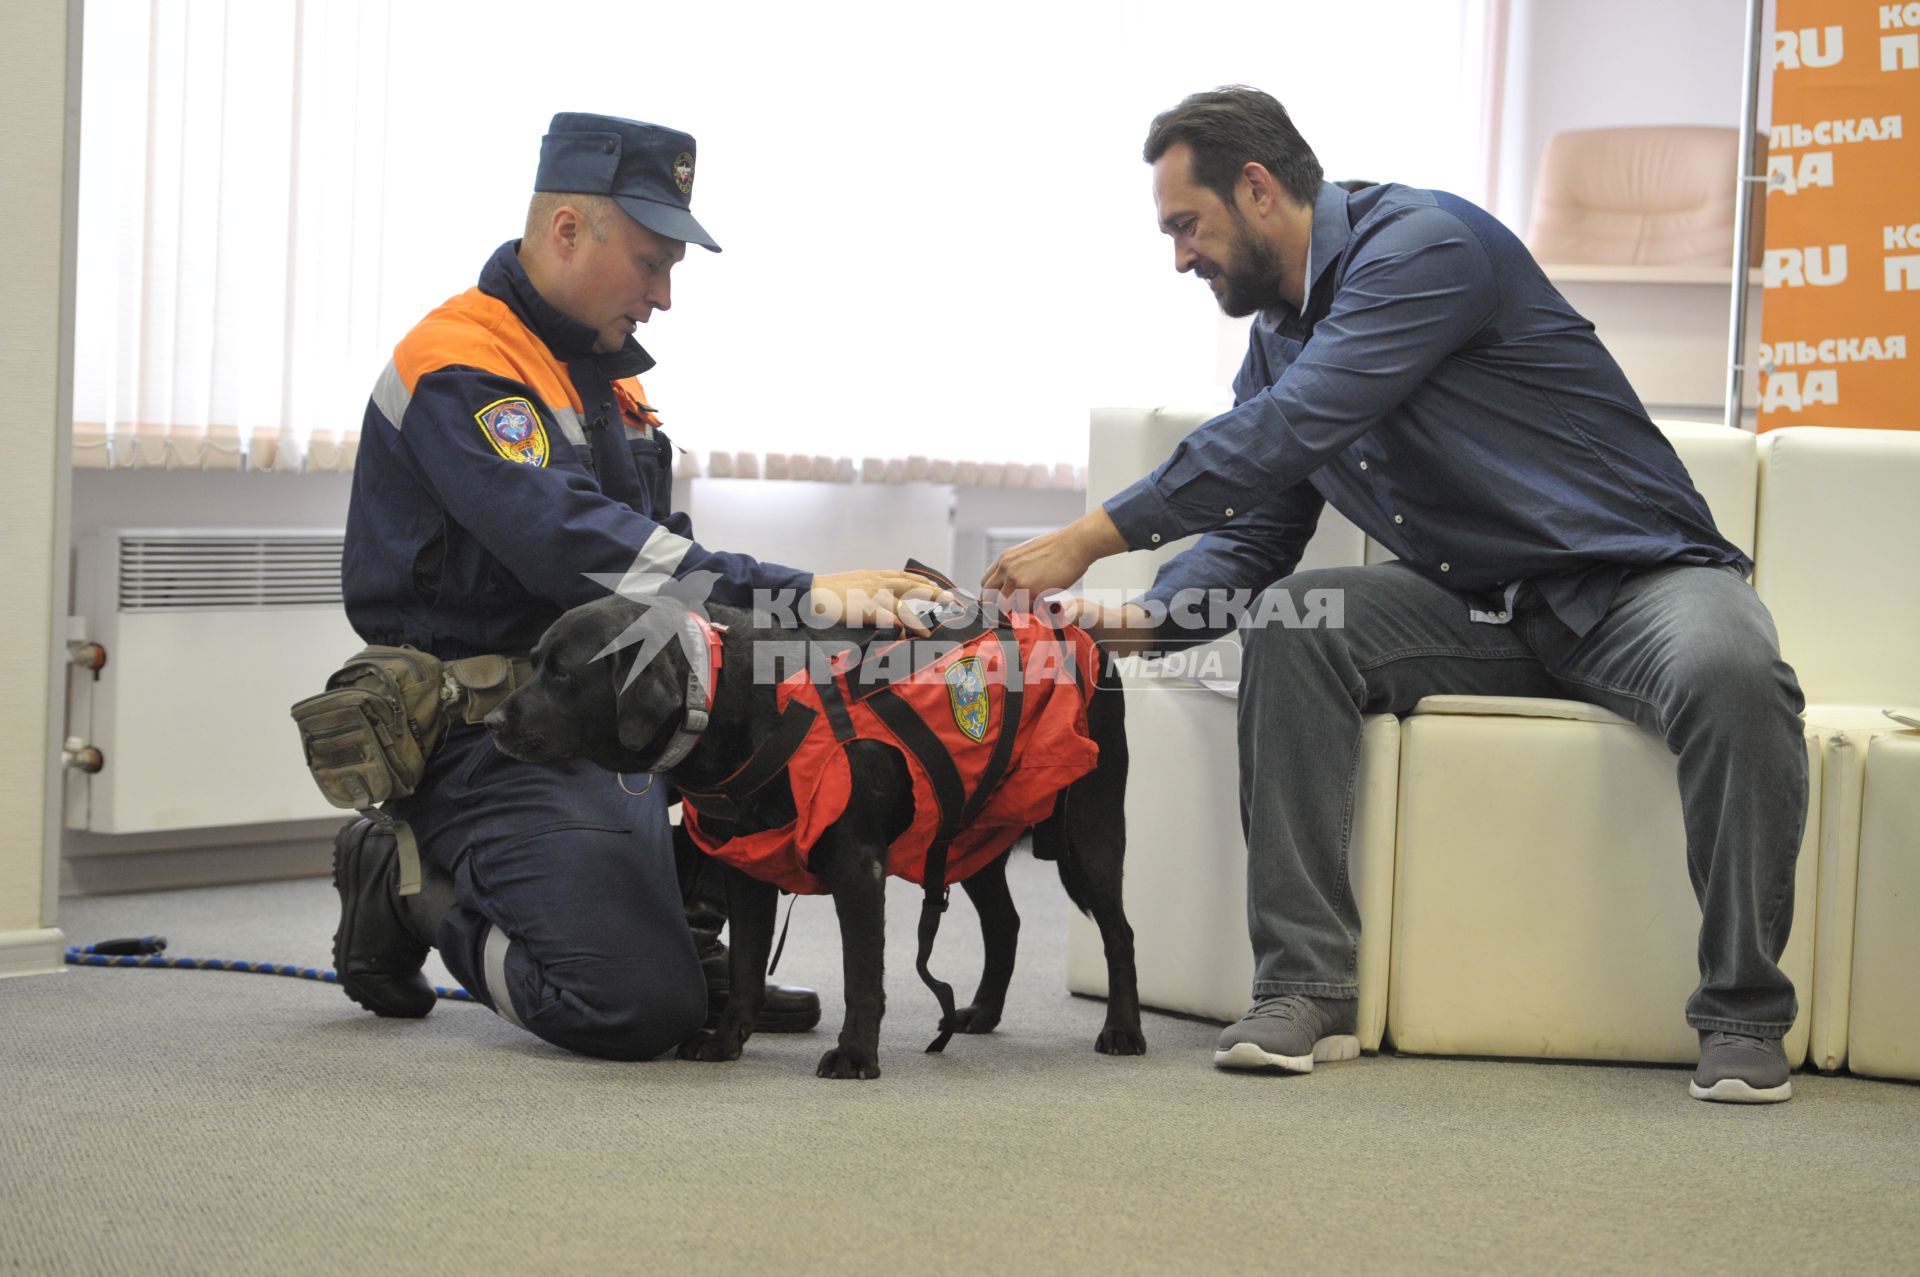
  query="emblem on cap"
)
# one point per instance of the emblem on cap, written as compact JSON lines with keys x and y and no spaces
{"x":513,"y":427}
{"x":683,"y":172}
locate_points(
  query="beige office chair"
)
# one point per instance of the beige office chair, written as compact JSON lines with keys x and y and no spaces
{"x":1639,"y":197}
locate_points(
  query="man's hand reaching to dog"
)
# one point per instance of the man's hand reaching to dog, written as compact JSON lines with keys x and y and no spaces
{"x":874,"y":597}
{"x":1053,"y":560}
{"x":1023,"y":575}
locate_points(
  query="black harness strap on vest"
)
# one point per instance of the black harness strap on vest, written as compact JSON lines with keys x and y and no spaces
{"x":831,"y":700}
{"x":955,"y":812}
{"x":889,"y":659}
{"x":1002,"y":754}
{"x":777,"y":750}
{"x":938,"y":577}
{"x":768,"y":761}
{"x":926,"y":746}
{"x":780,"y":948}
{"x":899,"y":661}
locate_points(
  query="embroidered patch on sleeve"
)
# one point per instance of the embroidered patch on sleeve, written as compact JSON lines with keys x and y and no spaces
{"x":513,"y":427}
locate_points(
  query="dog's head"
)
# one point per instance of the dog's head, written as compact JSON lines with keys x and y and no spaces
{"x":585,"y":699}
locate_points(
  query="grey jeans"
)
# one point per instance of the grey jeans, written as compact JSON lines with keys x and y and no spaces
{"x":1689,"y":653}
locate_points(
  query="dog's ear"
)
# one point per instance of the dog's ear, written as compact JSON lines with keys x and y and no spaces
{"x":648,"y":666}
{"x":631,"y":717}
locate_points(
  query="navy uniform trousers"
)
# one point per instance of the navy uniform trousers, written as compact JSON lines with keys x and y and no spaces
{"x":568,"y":918}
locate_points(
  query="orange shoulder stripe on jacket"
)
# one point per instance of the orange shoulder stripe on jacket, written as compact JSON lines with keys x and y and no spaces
{"x":475,"y":330}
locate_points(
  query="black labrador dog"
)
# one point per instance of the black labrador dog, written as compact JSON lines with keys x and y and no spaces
{"x":584,"y":701}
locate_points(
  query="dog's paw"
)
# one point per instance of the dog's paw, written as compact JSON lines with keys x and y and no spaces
{"x":975,"y":1020}
{"x":1114,"y":1040}
{"x":845,"y":1063}
{"x":710,"y":1046}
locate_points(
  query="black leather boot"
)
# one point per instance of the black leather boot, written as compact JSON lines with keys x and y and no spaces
{"x":788,"y":1008}
{"x":383,"y":938}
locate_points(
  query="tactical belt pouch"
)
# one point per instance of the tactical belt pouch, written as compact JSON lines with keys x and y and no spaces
{"x":476,"y":685}
{"x":368,"y":736}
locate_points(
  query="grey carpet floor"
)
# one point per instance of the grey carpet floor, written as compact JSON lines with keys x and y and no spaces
{"x":161,"y":1122}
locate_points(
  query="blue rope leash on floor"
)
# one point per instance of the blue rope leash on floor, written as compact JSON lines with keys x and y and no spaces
{"x":146,"y":951}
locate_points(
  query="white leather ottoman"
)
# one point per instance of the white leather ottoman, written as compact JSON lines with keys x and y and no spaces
{"x":1542,"y":907}
{"x":1883,"y":1027}
{"x":1835,"y":553}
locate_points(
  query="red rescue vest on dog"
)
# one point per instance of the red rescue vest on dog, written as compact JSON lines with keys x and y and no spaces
{"x":910,"y":695}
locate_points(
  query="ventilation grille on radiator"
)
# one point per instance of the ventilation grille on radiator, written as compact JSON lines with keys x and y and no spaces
{"x":201,"y":570}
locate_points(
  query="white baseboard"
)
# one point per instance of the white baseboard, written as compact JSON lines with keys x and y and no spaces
{"x":32,"y":952}
{"x":104,"y":864}
{"x":166,"y":869}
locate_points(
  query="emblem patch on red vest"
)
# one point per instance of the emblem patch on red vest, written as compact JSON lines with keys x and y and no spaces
{"x":513,"y":427}
{"x":968,"y":695}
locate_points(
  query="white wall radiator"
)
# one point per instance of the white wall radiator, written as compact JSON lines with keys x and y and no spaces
{"x":210,"y":635}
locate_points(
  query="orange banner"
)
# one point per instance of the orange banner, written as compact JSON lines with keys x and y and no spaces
{"x":1842,"y":261}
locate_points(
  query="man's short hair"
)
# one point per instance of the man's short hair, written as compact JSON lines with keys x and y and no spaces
{"x":1230,"y":127}
{"x":598,"y":210}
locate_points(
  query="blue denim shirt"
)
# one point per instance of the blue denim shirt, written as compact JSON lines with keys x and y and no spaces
{"x":1438,"y":391}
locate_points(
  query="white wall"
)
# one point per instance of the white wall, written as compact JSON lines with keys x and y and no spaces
{"x":33,"y":155}
{"x":207,"y":499}
{"x":1581,"y":64}
{"x":938,"y":227}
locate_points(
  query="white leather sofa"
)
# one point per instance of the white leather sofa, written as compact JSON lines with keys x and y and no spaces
{"x":1838,"y":564}
{"x":1489,"y":946}
{"x":1883,"y":1020}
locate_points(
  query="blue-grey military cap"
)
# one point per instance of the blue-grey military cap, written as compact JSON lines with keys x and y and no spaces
{"x":646,"y":168}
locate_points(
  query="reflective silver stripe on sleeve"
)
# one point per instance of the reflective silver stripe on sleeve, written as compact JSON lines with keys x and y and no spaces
{"x":390,"y":395}
{"x":569,"y":423}
{"x":496,"y":973}
{"x":635,"y":432}
{"x":658,"y":559}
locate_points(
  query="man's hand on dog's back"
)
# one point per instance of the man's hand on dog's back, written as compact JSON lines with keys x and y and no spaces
{"x":874,"y":596}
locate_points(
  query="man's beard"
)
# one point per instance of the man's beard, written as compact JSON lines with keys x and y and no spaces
{"x":1254,"y":281}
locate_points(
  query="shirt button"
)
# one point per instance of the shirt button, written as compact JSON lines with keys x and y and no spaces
{"x":1155,"y":538}
{"x":1363,"y":465}
{"x":1446,"y":567}
{"x":1229,"y":512}
{"x":1398,"y":519}
{"x":1502,"y":616}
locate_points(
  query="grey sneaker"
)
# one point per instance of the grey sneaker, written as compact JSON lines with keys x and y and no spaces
{"x":1738,"y":1069}
{"x":1290,"y":1032}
